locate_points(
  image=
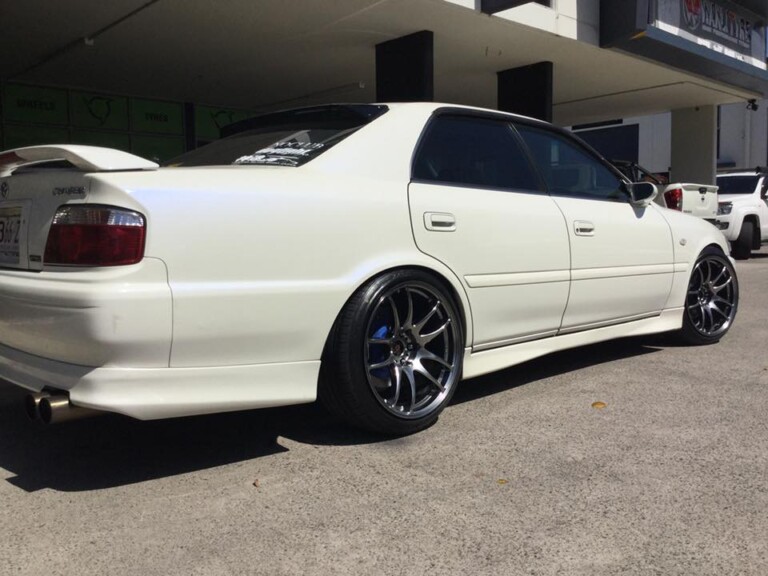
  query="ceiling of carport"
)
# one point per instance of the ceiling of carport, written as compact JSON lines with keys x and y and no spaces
{"x":275,"y":53}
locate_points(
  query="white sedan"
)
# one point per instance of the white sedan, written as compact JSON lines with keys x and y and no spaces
{"x":369,"y":255}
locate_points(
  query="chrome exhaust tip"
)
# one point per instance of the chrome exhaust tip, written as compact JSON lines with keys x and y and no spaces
{"x":32,"y":404}
{"x":56,"y":409}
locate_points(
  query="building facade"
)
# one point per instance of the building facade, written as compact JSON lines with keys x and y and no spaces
{"x":163,"y":76}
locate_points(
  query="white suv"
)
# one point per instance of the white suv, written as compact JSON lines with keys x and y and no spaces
{"x":742,"y":214}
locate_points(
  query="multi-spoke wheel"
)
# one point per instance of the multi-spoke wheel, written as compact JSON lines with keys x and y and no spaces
{"x":712,"y":299}
{"x":394,"y":357}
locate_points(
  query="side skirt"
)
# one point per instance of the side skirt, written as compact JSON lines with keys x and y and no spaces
{"x":483,"y":362}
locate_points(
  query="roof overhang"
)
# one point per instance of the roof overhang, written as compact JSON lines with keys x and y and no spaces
{"x":259,"y":56}
{"x":759,"y":7}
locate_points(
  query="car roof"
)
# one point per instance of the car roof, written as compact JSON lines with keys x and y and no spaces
{"x":757,"y":172}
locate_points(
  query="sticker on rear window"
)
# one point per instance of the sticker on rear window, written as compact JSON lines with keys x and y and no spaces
{"x":282,"y":154}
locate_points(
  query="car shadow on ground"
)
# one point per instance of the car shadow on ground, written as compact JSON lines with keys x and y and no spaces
{"x":113,"y":450}
{"x":558,"y":363}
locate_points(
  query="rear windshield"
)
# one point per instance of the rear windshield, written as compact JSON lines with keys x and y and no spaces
{"x":737,"y":184}
{"x":290,"y":138}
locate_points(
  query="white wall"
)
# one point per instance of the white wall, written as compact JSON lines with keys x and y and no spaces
{"x":577,"y":19}
{"x":655,"y":141}
{"x":744,"y":135}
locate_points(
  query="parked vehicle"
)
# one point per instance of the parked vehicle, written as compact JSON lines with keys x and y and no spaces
{"x":743,"y":211}
{"x":371,"y":255}
{"x":695,"y":199}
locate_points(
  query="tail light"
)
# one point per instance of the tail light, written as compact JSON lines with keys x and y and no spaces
{"x":674,"y":198}
{"x":88,"y":235}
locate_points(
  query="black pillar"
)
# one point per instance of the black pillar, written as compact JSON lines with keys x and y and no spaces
{"x":527,"y":90}
{"x":404,"y":68}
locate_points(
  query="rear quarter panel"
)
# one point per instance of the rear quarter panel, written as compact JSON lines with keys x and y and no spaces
{"x":262,"y":259}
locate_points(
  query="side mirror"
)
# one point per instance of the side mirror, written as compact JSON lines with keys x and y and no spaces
{"x":642,"y":193}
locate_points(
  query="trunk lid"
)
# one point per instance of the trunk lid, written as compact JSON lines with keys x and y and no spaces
{"x":699,"y":200}
{"x":31,"y":191}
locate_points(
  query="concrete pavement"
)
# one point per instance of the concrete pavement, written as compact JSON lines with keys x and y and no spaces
{"x":521,"y":475}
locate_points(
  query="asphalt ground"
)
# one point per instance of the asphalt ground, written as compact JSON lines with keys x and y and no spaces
{"x":521,"y":475}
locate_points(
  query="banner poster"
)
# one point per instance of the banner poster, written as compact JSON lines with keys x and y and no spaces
{"x":719,"y":25}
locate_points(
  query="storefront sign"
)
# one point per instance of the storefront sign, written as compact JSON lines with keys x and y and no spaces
{"x":711,"y":19}
{"x":719,"y":25}
{"x":105,"y":111}
{"x":157,"y":116}
{"x":724,"y":40}
{"x":34,"y":104}
{"x":209,"y":121}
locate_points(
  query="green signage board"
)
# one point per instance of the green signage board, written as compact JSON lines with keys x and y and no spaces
{"x":157,"y":116}
{"x":209,"y":121}
{"x":18,"y":136}
{"x":34,"y":104}
{"x":102,"y":111}
{"x":118,"y":140}
{"x":157,"y":148}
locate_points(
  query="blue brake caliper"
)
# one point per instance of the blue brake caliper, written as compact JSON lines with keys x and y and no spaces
{"x":378,"y":353}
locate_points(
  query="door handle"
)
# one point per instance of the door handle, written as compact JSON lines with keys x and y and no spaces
{"x":439,"y":221}
{"x":583,"y":228}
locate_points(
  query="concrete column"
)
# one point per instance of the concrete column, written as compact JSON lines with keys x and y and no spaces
{"x":527,"y":90}
{"x":694,"y":145}
{"x":405,"y":68}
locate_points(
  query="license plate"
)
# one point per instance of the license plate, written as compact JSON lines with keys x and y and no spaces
{"x":10,"y":231}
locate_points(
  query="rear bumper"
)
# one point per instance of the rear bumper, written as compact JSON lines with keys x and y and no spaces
{"x":119,"y":316}
{"x":152,"y":393}
{"x":729,"y":225}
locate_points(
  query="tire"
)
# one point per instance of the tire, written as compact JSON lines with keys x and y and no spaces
{"x":394,"y":356}
{"x":742,"y":246}
{"x":711,"y":300}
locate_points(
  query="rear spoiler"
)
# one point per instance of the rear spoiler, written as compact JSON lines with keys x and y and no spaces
{"x":85,"y":158}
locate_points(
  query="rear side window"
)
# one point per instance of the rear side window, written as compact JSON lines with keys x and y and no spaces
{"x":290,"y":138}
{"x":737,"y":184}
{"x":568,"y":169}
{"x":473,"y":152}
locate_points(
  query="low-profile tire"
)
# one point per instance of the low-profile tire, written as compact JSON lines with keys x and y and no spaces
{"x":742,"y":246}
{"x":711,"y":300}
{"x":394,"y":356}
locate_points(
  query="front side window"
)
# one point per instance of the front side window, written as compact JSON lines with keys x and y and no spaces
{"x":472,"y":151}
{"x":568,"y":169}
{"x":290,"y":138}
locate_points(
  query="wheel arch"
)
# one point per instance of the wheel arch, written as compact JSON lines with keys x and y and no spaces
{"x":713,"y":246}
{"x":447,"y":280}
{"x":755,"y":219}
{"x":341,"y":386}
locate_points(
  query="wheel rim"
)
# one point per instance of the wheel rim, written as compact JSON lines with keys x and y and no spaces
{"x":712,"y":297}
{"x":411,"y":350}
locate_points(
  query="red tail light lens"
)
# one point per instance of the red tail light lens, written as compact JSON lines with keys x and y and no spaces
{"x":86,"y":235}
{"x":674,"y":198}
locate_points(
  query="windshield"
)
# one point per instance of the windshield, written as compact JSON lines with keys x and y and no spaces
{"x":737,"y":184}
{"x":290,"y":138}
